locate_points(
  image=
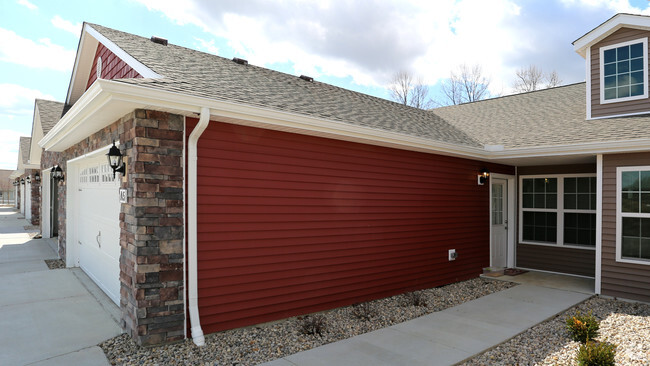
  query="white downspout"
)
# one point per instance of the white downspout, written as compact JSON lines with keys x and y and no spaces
{"x":193,"y":298}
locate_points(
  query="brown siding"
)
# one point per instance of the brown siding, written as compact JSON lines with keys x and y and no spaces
{"x":557,"y":259}
{"x":611,"y":109}
{"x":557,"y":169}
{"x":625,"y":280}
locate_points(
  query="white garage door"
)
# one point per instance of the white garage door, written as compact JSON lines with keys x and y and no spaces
{"x":98,"y":228}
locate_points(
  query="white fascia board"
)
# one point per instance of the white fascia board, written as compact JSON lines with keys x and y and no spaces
{"x":130,"y":60}
{"x":610,"y":26}
{"x":104,"y":92}
{"x":79,"y":112}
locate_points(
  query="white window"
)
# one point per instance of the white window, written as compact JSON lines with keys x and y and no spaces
{"x":633,"y":214}
{"x":624,"y":71}
{"x":558,"y":210}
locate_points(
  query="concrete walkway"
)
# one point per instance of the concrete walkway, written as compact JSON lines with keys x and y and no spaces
{"x":446,"y":337}
{"x":47,"y":317}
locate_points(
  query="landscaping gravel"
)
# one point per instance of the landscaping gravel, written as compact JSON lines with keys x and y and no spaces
{"x":255,"y":345}
{"x":625,"y":324}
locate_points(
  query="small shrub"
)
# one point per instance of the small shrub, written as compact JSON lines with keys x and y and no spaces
{"x":363,"y":311}
{"x":596,"y":354}
{"x":313,"y":324}
{"x":582,"y":328}
{"x":415,"y":298}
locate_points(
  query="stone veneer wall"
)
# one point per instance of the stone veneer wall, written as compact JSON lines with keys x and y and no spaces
{"x":151,"y":222}
{"x":48,"y":160}
{"x":36,"y":197}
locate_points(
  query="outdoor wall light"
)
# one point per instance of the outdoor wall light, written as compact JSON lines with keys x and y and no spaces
{"x":115,"y":160}
{"x":37,"y":177}
{"x":22,"y":181}
{"x":483,"y":176}
{"x":57,"y":173}
{"x":28,"y":179}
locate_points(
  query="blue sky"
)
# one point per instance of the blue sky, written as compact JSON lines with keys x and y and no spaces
{"x":356,"y":45}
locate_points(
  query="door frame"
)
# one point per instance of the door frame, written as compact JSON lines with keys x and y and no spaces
{"x":511,"y":187}
{"x":46,"y":202}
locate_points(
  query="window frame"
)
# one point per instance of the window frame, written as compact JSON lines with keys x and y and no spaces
{"x":620,"y":214}
{"x":559,"y":210}
{"x":644,"y":41}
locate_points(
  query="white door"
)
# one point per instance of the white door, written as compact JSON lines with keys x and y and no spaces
{"x":22,"y":198}
{"x":28,"y":201}
{"x":499,"y":221}
{"x":45,"y":205}
{"x":97,"y":225}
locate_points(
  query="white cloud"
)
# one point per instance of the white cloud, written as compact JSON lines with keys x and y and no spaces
{"x":66,"y":25}
{"x":16,"y":116}
{"x":208,"y":46}
{"x":27,"y":4}
{"x":42,"y":54}
{"x":9,"y":141}
{"x":429,"y":38}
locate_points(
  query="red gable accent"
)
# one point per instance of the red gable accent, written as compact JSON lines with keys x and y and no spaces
{"x":112,"y":67}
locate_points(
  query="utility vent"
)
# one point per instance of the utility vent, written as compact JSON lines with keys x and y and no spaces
{"x":159,"y":40}
{"x":307,"y":78}
{"x":240,"y":61}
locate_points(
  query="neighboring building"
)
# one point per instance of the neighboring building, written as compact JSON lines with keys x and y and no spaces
{"x":7,"y":188}
{"x":251,"y":195}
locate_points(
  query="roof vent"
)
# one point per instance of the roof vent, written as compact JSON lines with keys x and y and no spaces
{"x":307,"y":78}
{"x":240,"y":61}
{"x":159,"y":40}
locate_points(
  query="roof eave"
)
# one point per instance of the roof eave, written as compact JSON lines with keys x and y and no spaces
{"x":610,"y":26}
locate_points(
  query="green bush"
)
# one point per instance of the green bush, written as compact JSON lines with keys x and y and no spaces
{"x":596,"y":354}
{"x":582,"y":328}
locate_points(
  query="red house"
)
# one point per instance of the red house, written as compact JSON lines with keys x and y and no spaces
{"x":250,"y":195}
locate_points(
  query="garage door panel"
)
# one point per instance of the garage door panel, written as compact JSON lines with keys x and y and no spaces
{"x":98,"y":231}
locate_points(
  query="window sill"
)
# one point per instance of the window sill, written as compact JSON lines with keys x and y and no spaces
{"x":558,"y":245}
{"x":633,"y":261}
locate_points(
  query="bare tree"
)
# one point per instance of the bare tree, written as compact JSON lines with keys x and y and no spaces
{"x":406,"y":90}
{"x":553,"y":79}
{"x":533,"y":78}
{"x":466,"y":85}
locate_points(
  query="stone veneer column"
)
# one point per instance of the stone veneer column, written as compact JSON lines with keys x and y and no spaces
{"x":151,"y":260}
{"x":36,"y":197}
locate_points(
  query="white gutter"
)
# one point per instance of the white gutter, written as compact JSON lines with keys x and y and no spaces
{"x":599,"y":223}
{"x":192,"y":282}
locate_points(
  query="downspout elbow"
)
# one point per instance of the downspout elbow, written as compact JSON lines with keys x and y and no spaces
{"x":192,"y":275}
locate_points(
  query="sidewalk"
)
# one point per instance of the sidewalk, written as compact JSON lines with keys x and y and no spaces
{"x":47,"y":317}
{"x":446,"y":337}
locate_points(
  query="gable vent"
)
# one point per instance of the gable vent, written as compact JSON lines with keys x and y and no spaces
{"x":307,"y":78}
{"x":159,"y":40}
{"x":240,"y":61}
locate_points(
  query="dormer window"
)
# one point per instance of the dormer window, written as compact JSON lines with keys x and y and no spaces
{"x":624,"y":73}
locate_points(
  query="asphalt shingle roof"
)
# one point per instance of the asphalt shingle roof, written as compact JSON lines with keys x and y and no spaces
{"x":200,"y":74}
{"x":50,"y":113}
{"x":24,"y":148}
{"x":546,"y":117}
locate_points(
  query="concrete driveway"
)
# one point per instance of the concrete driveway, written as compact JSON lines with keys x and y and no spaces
{"x":47,"y":317}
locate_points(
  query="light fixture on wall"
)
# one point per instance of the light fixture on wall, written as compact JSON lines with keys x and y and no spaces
{"x":28,"y":179}
{"x":22,"y":181}
{"x":483,"y":176}
{"x":37,"y":177}
{"x":57,"y":173}
{"x":115,"y":160}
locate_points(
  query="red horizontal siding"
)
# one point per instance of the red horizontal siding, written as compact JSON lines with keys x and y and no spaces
{"x":112,"y":67}
{"x":291,"y":224}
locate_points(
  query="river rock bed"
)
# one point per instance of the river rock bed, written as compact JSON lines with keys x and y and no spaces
{"x":624,"y":324}
{"x":255,"y":345}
